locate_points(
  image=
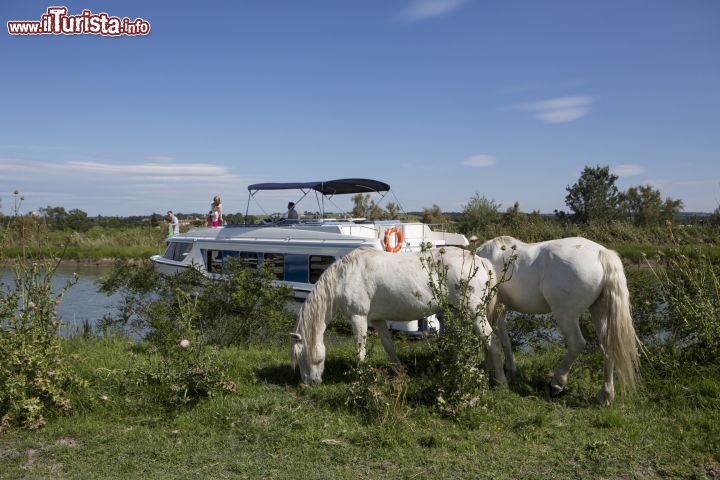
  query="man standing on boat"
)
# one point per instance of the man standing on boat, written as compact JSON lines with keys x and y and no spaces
{"x":292,"y":213}
{"x":173,"y":224}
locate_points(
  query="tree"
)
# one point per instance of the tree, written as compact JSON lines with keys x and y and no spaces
{"x":392,"y":210}
{"x":478,"y":213}
{"x":644,"y":205}
{"x":594,"y":198}
{"x":54,"y":216}
{"x":433,"y":215}
{"x":58,"y":218}
{"x":513,"y":217}
{"x":366,"y":207}
{"x":76,"y":220}
{"x":715,"y":218}
{"x":670,"y":208}
{"x":362,"y":205}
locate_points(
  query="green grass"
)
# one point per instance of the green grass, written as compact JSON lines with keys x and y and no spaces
{"x":272,"y":428}
{"x":96,"y":243}
{"x":86,"y":253}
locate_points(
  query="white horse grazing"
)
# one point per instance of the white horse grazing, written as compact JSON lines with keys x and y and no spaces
{"x":369,"y":285}
{"x":567,"y":277}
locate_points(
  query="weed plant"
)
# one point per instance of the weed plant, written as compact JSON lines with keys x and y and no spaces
{"x":378,"y":393}
{"x":457,"y":354}
{"x":34,"y":376}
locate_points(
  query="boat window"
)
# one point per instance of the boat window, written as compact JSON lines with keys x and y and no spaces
{"x":170,"y":252}
{"x":318,"y":264}
{"x":296,"y":268}
{"x":214,"y":262}
{"x":275,"y":261}
{"x":249,"y":259}
{"x":217,"y":259}
{"x":177,"y":251}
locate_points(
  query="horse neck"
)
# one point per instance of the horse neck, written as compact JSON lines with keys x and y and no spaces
{"x":316,"y":313}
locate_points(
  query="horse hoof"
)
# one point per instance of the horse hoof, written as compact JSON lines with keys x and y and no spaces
{"x":555,"y":390}
{"x":604,"y":399}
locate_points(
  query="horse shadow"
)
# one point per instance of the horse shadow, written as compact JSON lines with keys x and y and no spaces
{"x":336,"y":371}
{"x":533,"y":382}
{"x":530,"y":381}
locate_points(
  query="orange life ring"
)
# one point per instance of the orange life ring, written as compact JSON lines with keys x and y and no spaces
{"x":399,"y":240}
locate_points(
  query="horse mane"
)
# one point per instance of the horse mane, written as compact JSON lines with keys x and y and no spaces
{"x":501,"y":241}
{"x":319,"y":306}
{"x":507,"y":241}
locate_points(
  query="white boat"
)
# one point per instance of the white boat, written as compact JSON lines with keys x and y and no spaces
{"x":300,"y":250}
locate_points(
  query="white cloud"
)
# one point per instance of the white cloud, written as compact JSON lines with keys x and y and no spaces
{"x":121,"y":189}
{"x":628,"y":170}
{"x":480,"y":160}
{"x":560,"y":109}
{"x":425,"y":9}
{"x":150,"y":169}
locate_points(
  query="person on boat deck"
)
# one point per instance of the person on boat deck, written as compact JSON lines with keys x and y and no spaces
{"x":292,"y":213}
{"x":216,"y":212}
{"x":173,"y":224}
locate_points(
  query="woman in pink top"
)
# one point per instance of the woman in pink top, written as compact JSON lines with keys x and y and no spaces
{"x":217,"y":218}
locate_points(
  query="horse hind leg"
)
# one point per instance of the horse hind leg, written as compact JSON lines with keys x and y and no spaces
{"x":569,"y":326}
{"x":387,"y":341}
{"x":510,"y":366}
{"x":493,"y":351}
{"x":607,"y":391}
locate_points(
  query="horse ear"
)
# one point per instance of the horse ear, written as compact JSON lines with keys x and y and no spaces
{"x":296,"y":336}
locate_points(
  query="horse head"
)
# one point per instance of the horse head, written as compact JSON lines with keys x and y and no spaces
{"x":311,"y":369}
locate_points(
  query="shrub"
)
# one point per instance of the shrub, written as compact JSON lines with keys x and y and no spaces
{"x":34,"y":376}
{"x":460,"y":382}
{"x":478,"y":214}
{"x":181,"y":379}
{"x":649,"y":311}
{"x":242,"y":307}
{"x":178,"y":369}
{"x":690,"y":285}
{"x":378,"y":394}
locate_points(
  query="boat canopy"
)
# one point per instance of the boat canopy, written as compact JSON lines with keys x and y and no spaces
{"x":331,"y":187}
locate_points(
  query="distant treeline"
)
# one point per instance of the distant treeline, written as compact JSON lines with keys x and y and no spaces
{"x":593,"y":200}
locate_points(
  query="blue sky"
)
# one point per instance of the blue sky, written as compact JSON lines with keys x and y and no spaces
{"x":439,"y":98}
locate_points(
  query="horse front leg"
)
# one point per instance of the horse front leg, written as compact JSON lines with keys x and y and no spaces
{"x":360,"y":327}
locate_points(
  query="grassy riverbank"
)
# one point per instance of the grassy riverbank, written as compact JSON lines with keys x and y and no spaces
{"x":271,"y":428}
{"x":95,"y":244}
{"x":631,"y":242}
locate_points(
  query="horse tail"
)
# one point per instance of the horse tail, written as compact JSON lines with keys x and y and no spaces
{"x":617,"y":334}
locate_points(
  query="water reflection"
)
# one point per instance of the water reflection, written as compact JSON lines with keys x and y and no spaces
{"x":82,"y":302}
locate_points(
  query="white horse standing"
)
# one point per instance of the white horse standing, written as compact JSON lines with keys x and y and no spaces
{"x":372,"y":286}
{"x":567,"y":277}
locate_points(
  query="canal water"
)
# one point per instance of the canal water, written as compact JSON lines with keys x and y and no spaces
{"x":82,"y":302}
